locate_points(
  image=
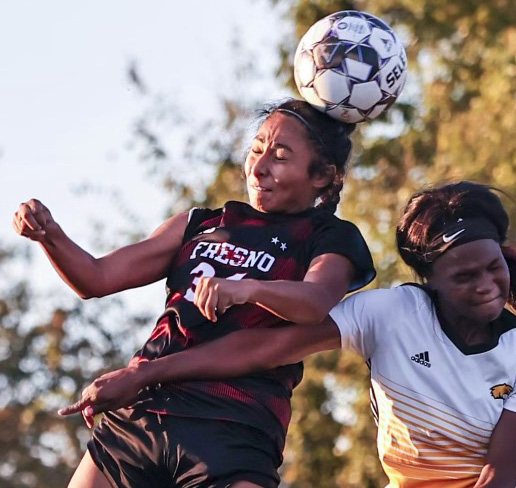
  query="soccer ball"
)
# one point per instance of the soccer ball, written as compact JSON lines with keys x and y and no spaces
{"x":350,"y":65}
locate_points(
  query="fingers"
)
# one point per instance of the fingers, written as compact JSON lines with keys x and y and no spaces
{"x":108,"y":392}
{"x":80,"y":406}
{"x":89,"y":419}
{"x":89,"y":397}
{"x":206,"y":298}
{"x":210,"y":305}
{"x":213,"y":296}
{"x":88,"y":414}
{"x":87,"y":410}
{"x":72,"y":409}
{"x":23,"y":228}
{"x":31,"y":220}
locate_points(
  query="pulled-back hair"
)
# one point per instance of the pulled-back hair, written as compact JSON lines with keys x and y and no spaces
{"x":331,"y":144}
{"x":429,"y":211}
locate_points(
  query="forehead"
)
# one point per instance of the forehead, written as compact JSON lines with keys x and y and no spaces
{"x":468,"y":257}
{"x":285,"y":127}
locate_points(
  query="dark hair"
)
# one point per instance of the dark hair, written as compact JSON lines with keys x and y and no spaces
{"x":428,"y":211}
{"x":331,"y":142}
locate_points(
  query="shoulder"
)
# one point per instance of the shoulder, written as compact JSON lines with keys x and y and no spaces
{"x":413,"y":293}
{"x":344,"y":234}
{"x":386,"y":302}
{"x":200,"y":219}
{"x":334,"y":235}
{"x":390,"y":297}
{"x":200,"y":213}
{"x":325,"y":219}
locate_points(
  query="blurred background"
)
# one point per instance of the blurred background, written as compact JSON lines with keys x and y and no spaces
{"x":117,"y":114}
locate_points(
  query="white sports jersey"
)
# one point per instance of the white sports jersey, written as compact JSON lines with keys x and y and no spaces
{"x":436,"y":402}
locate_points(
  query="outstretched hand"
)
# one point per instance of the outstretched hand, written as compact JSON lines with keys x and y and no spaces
{"x":215,"y":295}
{"x":33,"y":220}
{"x":110,"y":391}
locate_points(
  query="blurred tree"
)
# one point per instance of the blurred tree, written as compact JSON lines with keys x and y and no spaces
{"x":211,"y":148}
{"x":454,"y":122}
{"x":43,"y":366}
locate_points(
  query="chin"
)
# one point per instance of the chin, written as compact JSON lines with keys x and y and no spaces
{"x":489,"y":311}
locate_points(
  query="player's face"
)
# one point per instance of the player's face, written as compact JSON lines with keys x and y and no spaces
{"x":472,"y":282}
{"x":276,"y":167}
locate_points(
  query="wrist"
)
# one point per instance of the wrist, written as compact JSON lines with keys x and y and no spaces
{"x":142,"y":374}
{"x":53,"y":235}
{"x":253,"y":290}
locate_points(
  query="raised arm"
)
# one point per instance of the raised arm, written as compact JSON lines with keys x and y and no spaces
{"x":236,"y":354}
{"x":129,"y":267}
{"x":500,"y":468}
{"x":303,"y":302}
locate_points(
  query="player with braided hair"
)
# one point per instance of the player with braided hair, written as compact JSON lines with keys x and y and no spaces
{"x":257,"y":266}
{"x":441,"y":353}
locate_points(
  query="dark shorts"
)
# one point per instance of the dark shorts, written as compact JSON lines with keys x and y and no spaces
{"x":136,"y":448}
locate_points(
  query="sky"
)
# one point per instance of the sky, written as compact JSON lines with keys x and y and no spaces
{"x":67,"y":106}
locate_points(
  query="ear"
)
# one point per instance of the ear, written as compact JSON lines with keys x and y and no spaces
{"x":323,"y":178}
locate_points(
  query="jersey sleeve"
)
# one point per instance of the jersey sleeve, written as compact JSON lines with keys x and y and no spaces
{"x":361,"y":320}
{"x":196,"y":217}
{"x":342,"y":237}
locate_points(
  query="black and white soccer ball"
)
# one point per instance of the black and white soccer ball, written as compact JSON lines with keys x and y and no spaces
{"x":350,"y":65}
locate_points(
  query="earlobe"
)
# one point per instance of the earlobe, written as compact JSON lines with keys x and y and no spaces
{"x":326,"y":177}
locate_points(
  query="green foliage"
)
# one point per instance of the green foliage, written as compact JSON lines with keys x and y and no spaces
{"x":43,"y":366}
{"x":454,"y":122}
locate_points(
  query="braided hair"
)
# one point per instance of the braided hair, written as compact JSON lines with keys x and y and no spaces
{"x":331,"y":143}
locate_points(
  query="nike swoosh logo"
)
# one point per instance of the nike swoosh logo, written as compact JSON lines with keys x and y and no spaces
{"x":453,"y":236}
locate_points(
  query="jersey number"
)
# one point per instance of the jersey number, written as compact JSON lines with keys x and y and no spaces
{"x":204,"y":270}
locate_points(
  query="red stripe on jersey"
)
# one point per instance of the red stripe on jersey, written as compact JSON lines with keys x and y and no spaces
{"x":223,"y":390}
{"x":162,"y":329}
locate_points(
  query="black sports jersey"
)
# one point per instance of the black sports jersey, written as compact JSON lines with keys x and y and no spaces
{"x":239,"y":242}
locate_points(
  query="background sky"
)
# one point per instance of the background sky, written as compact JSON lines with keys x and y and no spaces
{"x":67,"y":106}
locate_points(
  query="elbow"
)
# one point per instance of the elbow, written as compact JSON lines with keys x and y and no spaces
{"x":265,"y":364}
{"x":317,"y":307}
{"x":88,"y":293}
{"x":96,"y":289}
{"x":86,"y":296}
{"x":313,"y":317}
{"x":280,"y":350}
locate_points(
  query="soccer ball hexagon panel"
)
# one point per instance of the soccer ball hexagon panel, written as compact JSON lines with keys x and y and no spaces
{"x":350,"y":65}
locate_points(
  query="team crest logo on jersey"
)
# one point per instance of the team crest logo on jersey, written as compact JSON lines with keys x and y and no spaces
{"x":501,"y":391}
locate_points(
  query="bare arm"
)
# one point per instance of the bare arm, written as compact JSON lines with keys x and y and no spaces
{"x":243,"y":352}
{"x":500,"y":468}
{"x":302,"y":302}
{"x":236,"y":354}
{"x":129,"y":267}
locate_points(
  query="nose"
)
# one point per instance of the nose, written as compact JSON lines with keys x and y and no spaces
{"x":485,"y":284}
{"x":259,"y":166}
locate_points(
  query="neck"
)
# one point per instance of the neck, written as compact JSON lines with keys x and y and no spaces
{"x":471,"y":332}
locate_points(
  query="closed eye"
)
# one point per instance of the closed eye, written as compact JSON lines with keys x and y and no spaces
{"x":280,"y":156}
{"x":463,"y":278}
{"x":256,"y":149}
